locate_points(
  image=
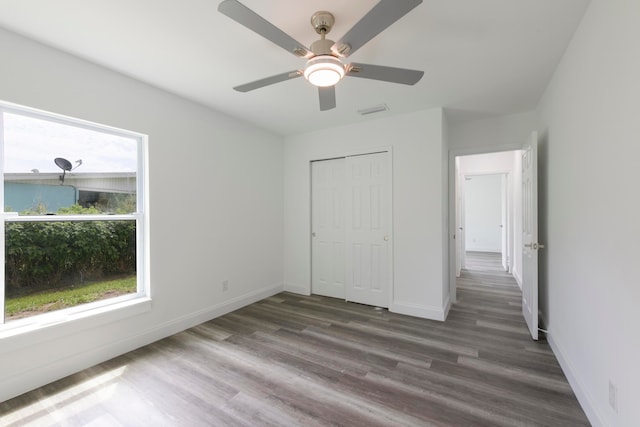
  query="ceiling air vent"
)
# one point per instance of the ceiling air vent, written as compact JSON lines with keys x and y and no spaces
{"x":374,"y":109}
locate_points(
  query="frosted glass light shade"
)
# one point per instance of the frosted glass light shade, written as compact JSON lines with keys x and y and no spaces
{"x":324,"y":70}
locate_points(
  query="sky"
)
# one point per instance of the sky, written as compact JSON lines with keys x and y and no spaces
{"x":31,"y":143}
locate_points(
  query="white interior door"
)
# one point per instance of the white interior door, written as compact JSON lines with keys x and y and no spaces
{"x":504,"y":223}
{"x":463,"y":226}
{"x":459,"y":233}
{"x":458,"y":225}
{"x":530,"y":234}
{"x":328,"y":228}
{"x":368,"y":279}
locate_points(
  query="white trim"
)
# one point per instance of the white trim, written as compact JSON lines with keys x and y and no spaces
{"x":71,"y":218}
{"x":516,"y":275}
{"x":495,"y":251}
{"x":141,"y":217}
{"x":447,"y":307}
{"x":46,"y":176}
{"x":21,"y":382}
{"x":418,"y":310}
{"x":71,"y":314}
{"x":143,"y":247}
{"x":349,"y":153}
{"x":297,"y":289}
{"x":585,"y":398}
{"x":36,"y":113}
{"x":220,"y":309}
{"x":61,"y":323}
{"x":453,"y":153}
{"x":3,"y":215}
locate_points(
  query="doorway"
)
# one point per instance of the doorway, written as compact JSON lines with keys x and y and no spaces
{"x":522,"y":233}
{"x":487,"y":209}
{"x":485,"y":218}
{"x":351,"y":228}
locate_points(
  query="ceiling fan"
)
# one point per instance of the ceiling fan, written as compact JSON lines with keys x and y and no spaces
{"x":324,"y":67}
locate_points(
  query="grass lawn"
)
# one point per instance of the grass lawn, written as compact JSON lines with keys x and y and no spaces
{"x":42,"y":302}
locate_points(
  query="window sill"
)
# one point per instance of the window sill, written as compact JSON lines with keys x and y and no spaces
{"x":55,"y":327}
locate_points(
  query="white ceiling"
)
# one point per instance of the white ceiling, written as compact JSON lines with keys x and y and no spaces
{"x":480,"y":57}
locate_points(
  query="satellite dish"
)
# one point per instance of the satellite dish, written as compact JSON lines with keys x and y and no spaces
{"x":63,"y":164}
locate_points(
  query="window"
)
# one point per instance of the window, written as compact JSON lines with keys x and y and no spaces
{"x":73,"y":216}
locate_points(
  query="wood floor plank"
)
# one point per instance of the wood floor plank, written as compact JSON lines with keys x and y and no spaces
{"x":292,"y":360}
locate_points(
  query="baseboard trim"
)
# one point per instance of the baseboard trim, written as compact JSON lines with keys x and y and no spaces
{"x":487,"y":250}
{"x":582,"y":394}
{"x":516,"y":275}
{"x":297,"y":289}
{"x":447,"y":307}
{"x":28,"y":380}
{"x":416,"y":310}
{"x":204,"y":315}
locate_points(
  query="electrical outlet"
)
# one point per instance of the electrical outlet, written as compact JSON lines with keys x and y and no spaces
{"x":225,"y":285}
{"x":613,"y":396}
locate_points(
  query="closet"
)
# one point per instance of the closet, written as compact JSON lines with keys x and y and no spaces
{"x":351,"y":255}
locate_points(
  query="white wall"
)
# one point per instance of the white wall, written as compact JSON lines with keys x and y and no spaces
{"x":483,"y":213}
{"x":216,"y":209}
{"x":590,"y":151}
{"x":419,"y":206}
{"x":491,"y":134}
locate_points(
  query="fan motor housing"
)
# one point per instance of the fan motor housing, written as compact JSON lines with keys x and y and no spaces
{"x":322,"y":21}
{"x":321,"y":47}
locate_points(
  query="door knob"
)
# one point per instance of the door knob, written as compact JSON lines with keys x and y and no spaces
{"x":534,"y":246}
{"x":386,"y":238}
{"x":313,"y":234}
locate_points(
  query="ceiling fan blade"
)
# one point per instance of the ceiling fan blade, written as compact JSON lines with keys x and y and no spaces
{"x":383,"y":14}
{"x":327,"y":98}
{"x":268,"y":81}
{"x":256,"y":23}
{"x":386,"y":74}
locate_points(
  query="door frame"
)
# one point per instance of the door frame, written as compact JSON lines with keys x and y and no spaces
{"x":351,"y":153}
{"x":453,"y":153}
{"x":506,"y":228}
{"x":460,"y":223}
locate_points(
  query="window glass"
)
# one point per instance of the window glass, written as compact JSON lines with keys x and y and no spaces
{"x":51,"y":265}
{"x":72,"y":214}
{"x":50,"y":166}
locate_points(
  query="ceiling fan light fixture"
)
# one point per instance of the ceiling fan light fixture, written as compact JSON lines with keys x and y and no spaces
{"x":324,"y":70}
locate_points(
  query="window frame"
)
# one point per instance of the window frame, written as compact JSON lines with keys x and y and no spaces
{"x":128,"y":302}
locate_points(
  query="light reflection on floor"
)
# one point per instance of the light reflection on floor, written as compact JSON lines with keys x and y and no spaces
{"x":76,"y":400}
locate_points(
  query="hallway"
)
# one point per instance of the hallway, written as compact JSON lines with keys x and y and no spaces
{"x":486,"y":289}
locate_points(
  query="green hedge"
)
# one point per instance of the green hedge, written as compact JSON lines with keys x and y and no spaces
{"x":57,"y":254}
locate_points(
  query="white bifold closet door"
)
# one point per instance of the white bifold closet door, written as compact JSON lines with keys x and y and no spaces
{"x":328,"y":233}
{"x":351,"y":228}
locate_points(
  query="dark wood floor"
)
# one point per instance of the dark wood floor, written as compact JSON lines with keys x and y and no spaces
{"x":292,"y":360}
